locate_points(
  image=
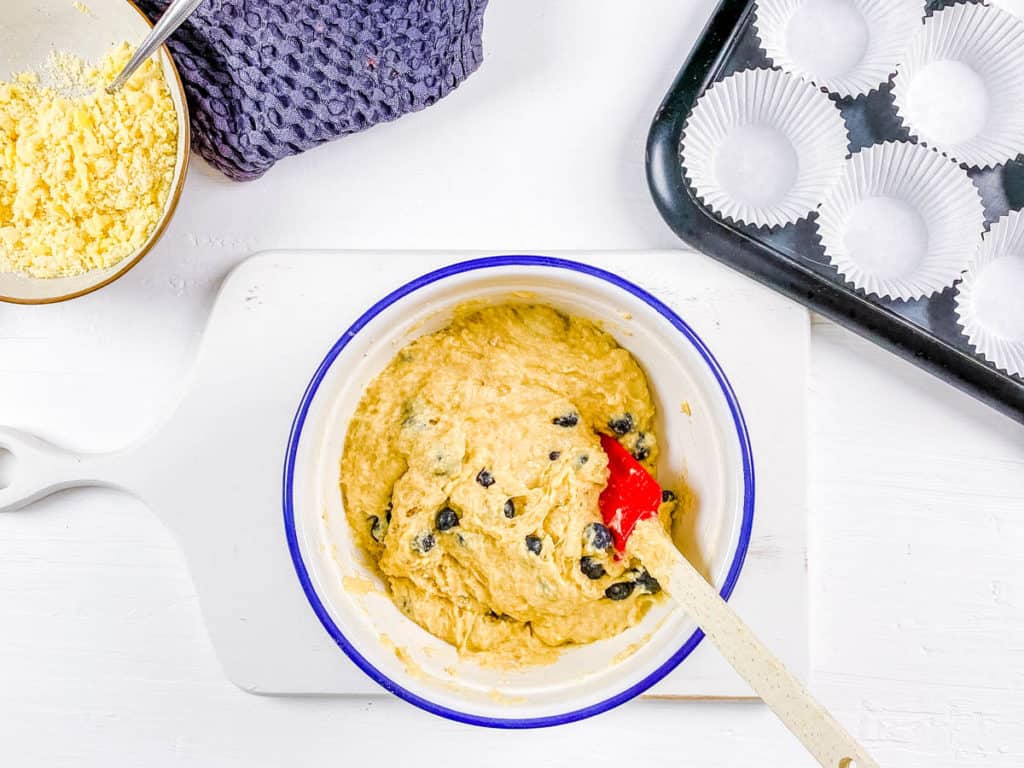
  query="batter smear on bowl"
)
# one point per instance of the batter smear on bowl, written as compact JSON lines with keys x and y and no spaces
{"x":471,"y":475}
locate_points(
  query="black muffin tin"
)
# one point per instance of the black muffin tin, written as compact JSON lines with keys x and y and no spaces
{"x":791,"y":259}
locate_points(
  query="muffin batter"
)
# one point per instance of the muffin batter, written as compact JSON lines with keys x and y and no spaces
{"x":471,"y":475}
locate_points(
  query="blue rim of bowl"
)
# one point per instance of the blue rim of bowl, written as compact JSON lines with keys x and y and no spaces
{"x":296,"y":433}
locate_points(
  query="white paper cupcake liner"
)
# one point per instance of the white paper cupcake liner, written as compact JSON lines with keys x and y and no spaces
{"x":990,"y":300}
{"x":902,"y":222}
{"x":846,"y":46}
{"x":1016,"y":7}
{"x":762,"y":147}
{"x":960,"y":88}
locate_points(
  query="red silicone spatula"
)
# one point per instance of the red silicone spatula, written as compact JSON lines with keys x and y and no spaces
{"x":629,"y":505}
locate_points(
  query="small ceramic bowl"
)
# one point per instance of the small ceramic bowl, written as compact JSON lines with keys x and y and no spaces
{"x":29,"y":31}
{"x":709,"y":447}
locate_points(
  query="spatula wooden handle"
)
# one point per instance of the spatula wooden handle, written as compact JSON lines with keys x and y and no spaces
{"x":785,"y":695}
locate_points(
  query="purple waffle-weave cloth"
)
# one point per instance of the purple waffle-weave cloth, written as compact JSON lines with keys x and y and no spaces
{"x":266,"y":79}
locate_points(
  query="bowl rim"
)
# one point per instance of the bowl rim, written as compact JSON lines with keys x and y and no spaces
{"x":291,"y":453}
{"x":175,"y":193}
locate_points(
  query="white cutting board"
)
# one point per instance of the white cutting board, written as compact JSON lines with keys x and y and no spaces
{"x":212,"y":473}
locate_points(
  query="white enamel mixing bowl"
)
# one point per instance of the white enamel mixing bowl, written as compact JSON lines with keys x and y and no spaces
{"x":710,"y":448}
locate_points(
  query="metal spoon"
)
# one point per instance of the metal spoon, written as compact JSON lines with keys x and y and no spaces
{"x":173,"y":17}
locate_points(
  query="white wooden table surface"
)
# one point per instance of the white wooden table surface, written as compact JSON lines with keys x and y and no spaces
{"x":917,"y":492}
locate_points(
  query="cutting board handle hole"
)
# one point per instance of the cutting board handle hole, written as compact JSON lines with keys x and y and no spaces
{"x":847,"y":762}
{"x":7,"y":462}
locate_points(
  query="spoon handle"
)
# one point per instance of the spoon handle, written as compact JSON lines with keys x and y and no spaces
{"x":822,"y":735}
{"x":173,"y":17}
